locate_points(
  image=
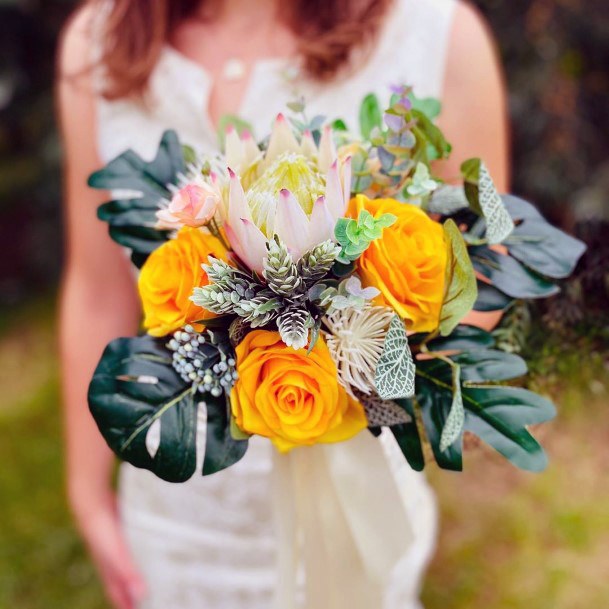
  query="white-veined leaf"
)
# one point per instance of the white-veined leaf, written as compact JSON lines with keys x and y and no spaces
{"x":395,"y":370}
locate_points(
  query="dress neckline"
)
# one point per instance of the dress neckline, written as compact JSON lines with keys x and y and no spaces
{"x":202,"y":81}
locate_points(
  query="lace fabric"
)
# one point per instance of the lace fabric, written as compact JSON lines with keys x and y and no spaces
{"x":210,"y":543}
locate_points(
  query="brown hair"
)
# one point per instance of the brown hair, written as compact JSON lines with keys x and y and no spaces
{"x":135,"y":32}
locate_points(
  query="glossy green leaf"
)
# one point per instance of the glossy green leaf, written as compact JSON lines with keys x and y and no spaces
{"x":222,"y":447}
{"x":461,"y":289}
{"x":539,"y":245}
{"x":135,"y":385}
{"x":408,"y":439}
{"x":434,"y":396}
{"x":370,"y":115}
{"x":509,"y":275}
{"x":497,"y":414}
{"x":132,"y":218}
{"x":484,"y":365}
{"x":491,"y":299}
{"x":464,"y":337}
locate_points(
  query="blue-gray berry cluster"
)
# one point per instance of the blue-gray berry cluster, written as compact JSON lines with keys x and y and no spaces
{"x":203,"y":359}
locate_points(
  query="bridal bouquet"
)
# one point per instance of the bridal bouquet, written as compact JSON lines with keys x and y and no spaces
{"x":311,"y":286}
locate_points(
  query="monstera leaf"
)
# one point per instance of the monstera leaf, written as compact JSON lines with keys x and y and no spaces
{"x":148,"y":415}
{"x":539,"y":245}
{"x":132,"y":216}
{"x":497,"y":414}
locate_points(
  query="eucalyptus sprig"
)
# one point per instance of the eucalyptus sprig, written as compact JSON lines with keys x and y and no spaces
{"x":355,"y":236}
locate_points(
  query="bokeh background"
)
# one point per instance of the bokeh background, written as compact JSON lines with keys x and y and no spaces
{"x":509,"y":540}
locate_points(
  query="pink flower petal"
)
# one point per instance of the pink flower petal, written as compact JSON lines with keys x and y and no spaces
{"x":321,"y":224}
{"x":291,"y":224}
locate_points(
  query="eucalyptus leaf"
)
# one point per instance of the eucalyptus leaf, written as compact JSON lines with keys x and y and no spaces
{"x":395,"y":369}
{"x":460,"y":281}
{"x":370,"y":115}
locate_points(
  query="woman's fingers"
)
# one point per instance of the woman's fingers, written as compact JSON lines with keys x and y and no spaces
{"x":122,"y":580}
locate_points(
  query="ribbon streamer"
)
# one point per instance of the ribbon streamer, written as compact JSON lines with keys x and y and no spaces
{"x":341,"y":522}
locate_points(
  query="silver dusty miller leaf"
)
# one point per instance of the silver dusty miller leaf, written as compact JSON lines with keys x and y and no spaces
{"x":499,"y":223}
{"x":395,"y":370}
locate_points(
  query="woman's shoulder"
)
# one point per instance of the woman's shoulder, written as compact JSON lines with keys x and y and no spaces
{"x":77,"y":42}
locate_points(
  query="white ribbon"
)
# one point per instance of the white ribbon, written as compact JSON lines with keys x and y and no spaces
{"x":341,"y":517}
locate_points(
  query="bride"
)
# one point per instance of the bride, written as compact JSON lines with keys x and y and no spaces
{"x":128,"y":70}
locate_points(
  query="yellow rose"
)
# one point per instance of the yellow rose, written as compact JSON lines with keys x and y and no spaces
{"x":291,"y":397}
{"x":169,"y":276}
{"x":408,"y":264}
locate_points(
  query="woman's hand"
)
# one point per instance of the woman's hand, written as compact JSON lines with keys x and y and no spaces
{"x":100,"y":527}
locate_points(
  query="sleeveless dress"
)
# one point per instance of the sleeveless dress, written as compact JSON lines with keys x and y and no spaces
{"x":209,"y":543}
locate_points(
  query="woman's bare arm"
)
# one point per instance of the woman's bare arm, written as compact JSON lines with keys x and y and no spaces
{"x":474,"y":115}
{"x":98,"y":303}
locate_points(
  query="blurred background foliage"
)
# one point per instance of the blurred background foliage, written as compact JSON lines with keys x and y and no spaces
{"x":509,"y":540}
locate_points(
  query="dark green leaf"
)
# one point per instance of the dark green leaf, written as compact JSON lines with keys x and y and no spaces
{"x":463,"y":338}
{"x":131,"y":220}
{"x":484,"y":365}
{"x":509,"y":276}
{"x":408,"y":439}
{"x":221,"y":449}
{"x":135,"y":385}
{"x":538,"y":244}
{"x":490,"y":298}
{"x":497,"y":414}
{"x":434,"y":395}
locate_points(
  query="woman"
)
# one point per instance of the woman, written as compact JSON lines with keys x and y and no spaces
{"x":209,"y":543}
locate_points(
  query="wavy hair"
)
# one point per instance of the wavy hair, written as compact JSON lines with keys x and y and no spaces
{"x":327,"y":32}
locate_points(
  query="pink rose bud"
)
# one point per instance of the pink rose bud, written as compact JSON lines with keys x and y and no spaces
{"x":194,"y":205}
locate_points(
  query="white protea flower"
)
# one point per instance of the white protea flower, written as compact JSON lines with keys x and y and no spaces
{"x":355,"y":338}
{"x":294,"y":190}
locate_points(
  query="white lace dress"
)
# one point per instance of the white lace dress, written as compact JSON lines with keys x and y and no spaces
{"x":209,"y":543}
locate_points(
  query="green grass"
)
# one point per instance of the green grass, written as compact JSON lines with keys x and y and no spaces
{"x":509,"y":540}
